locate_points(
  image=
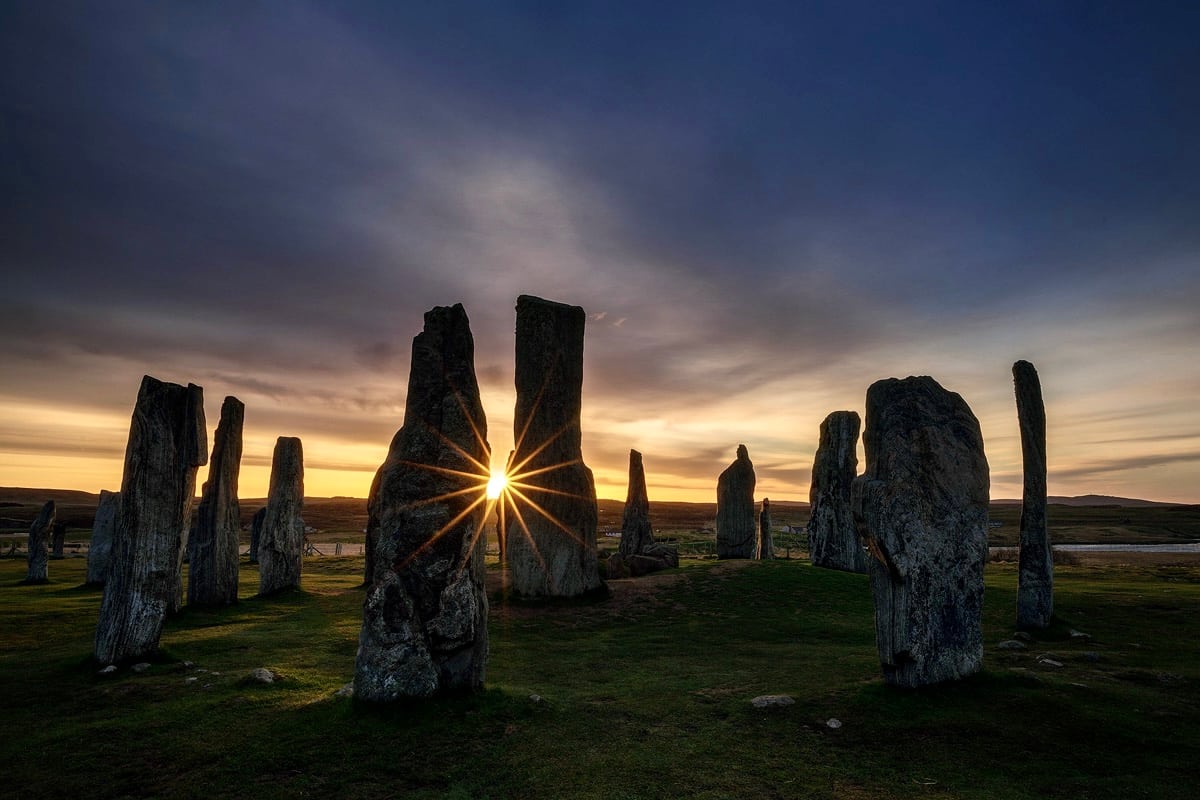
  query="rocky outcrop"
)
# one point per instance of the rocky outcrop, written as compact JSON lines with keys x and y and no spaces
{"x":167,"y":443}
{"x":737,"y":526}
{"x":281,"y":545}
{"x":1035,"y":581}
{"x":256,"y":526}
{"x":39,"y":545}
{"x":766,"y":545}
{"x":832,"y":536}
{"x":552,"y":532}
{"x":425,"y":616}
{"x":922,"y":508}
{"x":213,"y":543}
{"x":104,"y":527}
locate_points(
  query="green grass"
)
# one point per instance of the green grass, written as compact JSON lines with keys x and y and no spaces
{"x":645,"y":695}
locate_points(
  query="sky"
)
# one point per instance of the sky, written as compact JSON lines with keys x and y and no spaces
{"x":762,"y":207}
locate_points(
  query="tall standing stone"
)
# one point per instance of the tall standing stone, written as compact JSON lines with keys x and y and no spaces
{"x":832,"y":536}
{"x":104,"y":528}
{"x":281,"y":546}
{"x":167,"y":443}
{"x":39,"y":541}
{"x":58,"y":539}
{"x":552,"y":537}
{"x":922,"y":508}
{"x":636,"y":531}
{"x":425,"y":616}
{"x":213,"y":544}
{"x":256,"y":526}
{"x":737,"y":526}
{"x":1035,"y":581}
{"x":766,"y":544}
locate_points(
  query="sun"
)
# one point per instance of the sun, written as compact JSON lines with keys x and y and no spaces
{"x":496,"y":484}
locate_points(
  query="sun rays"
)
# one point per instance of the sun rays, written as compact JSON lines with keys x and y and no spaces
{"x":484,"y":492}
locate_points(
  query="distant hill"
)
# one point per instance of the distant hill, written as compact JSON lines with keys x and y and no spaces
{"x":1093,"y":500}
{"x":21,"y":495}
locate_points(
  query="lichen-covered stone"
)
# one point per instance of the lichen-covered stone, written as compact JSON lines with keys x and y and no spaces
{"x":737,"y":524}
{"x":832,"y":536}
{"x":104,"y":527}
{"x":551,"y":551}
{"x":425,"y":615}
{"x":281,"y":546}
{"x":922,"y":508}
{"x":766,"y":544}
{"x":167,"y":443}
{"x":1035,"y":578}
{"x":39,"y":541}
{"x":213,"y":543}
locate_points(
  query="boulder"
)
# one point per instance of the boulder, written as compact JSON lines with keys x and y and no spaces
{"x":424,"y":628}
{"x":167,"y":443}
{"x":551,"y":545}
{"x":1035,"y":577}
{"x":766,"y":546}
{"x":281,"y":545}
{"x":213,"y":543}
{"x":832,"y":537}
{"x":103,"y":529}
{"x":922,"y":508}
{"x":39,"y":541}
{"x":737,"y":528}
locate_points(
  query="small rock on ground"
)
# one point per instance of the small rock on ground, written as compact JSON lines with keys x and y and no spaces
{"x":141,"y":666}
{"x":1049,"y":662}
{"x":263,"y":675}
{"x":833,"y":722}
{"x":1012,"y":644}
{"x":772,"y":701}
{"x":109,"y":670}
{"x":1023,"y":636}
{"x":345,"y":691}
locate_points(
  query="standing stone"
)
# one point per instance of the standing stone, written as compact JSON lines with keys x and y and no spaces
{"x":832,"y":536}
{"x":103,"y":530}
{"x":639,"y":554}
{"x":280,"y":548}
{"x":1035,"y":581}
{"x":636,"y":532}
{"x":59,"y":539}
{"x":552,"y":537}
{"x":922,"y":508}
{"x":425,"y":616}
{"x":167,"y":443}
{"x":213,"y":544}
{"x":737,"y":528}
{"x":39,"y":552}
{"x":256,"y":526}
{"x":766,"y":545}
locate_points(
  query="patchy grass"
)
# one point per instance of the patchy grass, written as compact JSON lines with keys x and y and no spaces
{"x":643,"y":695}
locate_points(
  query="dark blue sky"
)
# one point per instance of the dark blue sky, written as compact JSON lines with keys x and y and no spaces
{"x":782,"y":201}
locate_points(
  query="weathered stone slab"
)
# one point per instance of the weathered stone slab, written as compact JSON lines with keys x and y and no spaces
{"x":213,"y":543}
{"x":281,"y":546}
{"x":737,"y":524}
{"x":39,"y":541}
{"x":636,"y":531}
{"x":1035,"y":581}
{"x":103,"y":529}
{"x":766,"y":545}
{"x":425,"y":616}
{"x":832,"y":535}
{"x":922,"y":508}
{"x":167,"y":442}
{"x":552,"y":534}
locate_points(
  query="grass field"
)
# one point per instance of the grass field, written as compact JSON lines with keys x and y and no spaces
{"x":643,"y":695}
